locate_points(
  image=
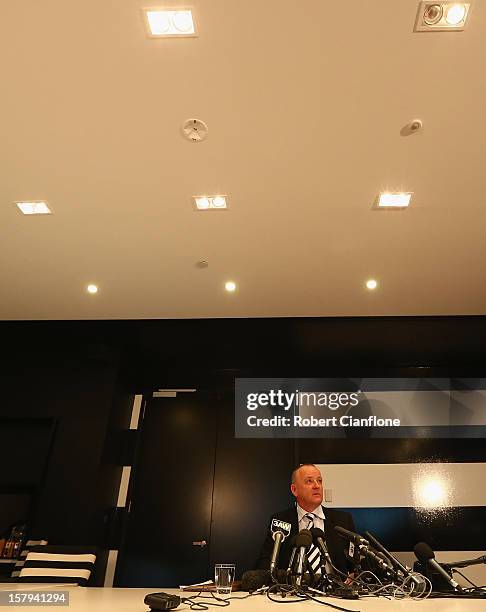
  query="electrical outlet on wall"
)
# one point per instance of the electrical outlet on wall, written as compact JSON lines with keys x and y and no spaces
{"x":328,"y":495}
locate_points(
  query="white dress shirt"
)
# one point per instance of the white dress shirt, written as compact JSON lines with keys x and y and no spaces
{"x":317,"y":515}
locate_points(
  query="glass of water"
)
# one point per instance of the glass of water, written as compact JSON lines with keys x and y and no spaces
{"x":224,"y":575}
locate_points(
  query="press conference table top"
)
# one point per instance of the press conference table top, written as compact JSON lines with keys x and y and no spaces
{"x":131,"y":600}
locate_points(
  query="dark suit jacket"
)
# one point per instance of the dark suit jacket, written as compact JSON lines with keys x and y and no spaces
{"x":334,"y":541}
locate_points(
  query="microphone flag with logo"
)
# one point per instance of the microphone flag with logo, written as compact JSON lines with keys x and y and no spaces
{"x":280,"y":530}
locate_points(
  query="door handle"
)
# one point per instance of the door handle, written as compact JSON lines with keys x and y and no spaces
{"x":202,"y":543}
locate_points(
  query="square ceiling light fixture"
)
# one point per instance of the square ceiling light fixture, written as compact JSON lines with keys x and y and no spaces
{"x":34,"y":208}
{"x":394,"y":200}
{"x":167,"y":23}
{"x":218,"y":202}
{"x":442,"y":16}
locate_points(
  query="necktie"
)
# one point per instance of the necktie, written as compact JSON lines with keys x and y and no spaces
{"x":313,"y":556}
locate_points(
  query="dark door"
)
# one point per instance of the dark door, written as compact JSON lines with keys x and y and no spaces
{"x":168,"y":531}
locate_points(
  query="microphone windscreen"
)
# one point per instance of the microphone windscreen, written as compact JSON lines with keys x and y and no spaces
{"x":317,"y":533}
{"x":255,"y":579}
{"x":304,"y":538}
{"x":423,"y":552}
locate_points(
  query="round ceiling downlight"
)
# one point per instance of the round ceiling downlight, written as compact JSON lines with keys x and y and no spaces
{"x":159,"y":22}
{"x":433,"y":14}
{"x":455,"y":14}
{"x":182,"y":21}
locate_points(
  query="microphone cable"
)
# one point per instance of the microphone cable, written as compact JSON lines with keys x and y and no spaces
{"x":393,"y":590}
{"x":475,"y":586}
{"x":300,"y":595}
{"x":199,"y":605}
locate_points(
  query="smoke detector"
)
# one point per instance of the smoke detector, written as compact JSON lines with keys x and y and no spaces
{"x":195,"y":130}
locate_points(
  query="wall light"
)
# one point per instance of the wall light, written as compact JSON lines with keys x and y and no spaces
{"x":431,"y":491}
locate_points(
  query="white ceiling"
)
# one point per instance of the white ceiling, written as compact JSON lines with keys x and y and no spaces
{"x":304,"y":131}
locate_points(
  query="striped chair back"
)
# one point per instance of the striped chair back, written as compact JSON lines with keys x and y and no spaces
{"x":61,"y":564}
{"x":28,"y":546}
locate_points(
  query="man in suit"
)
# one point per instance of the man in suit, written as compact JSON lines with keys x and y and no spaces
{"x":306,"y":513}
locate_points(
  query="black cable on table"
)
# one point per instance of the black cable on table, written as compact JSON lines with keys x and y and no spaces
{"x":465,"y":578}
{"x":199,"y":605}
{"x":301,"y":596}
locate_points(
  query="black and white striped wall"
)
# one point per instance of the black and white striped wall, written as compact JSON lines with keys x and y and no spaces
{"x":441,"y":503}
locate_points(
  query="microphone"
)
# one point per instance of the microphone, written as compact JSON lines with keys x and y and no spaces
{"x":319,"y":538}
{"x":280,"y":530}
{"x":292,"y":557}
{"x":302,"y":543}
{"x":468,"y":562}
{"x":364,"y":547}
{"x":350,"y":535}
{"x":385,"y":562}
{"x":425,"y":554}
{"x":395,"y":562}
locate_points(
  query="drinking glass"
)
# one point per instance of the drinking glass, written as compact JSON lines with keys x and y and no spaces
{"x":224,"y":574}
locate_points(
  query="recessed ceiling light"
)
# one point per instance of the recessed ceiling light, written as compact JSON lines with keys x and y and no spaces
{"x":371,"y":284}
{"x":167,"y":23}
{"x":442,"y":16}
{"x":92,"y":289}
{"x":183,"y":22}
{"x":230,"y":286}
{"x":34,"y":208}
{"x":202,"y":203}
{"x":456,"y":14}
{"x":433,"y":14}
{"x":218,"y":202}
{"x":394,"y":200}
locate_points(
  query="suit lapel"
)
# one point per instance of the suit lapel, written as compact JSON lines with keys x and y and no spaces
{"x":334,"y":542}
{"x":293,"y":519}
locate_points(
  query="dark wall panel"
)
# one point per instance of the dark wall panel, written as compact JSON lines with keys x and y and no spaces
{"x":77,"y":392}
{"x":25,"y":445}
{"x":252,"y":480}
{"x":444,"y":529}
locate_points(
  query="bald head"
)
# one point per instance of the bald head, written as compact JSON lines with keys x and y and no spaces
{"x":307,"y":486}
{"x":300,"y":467}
